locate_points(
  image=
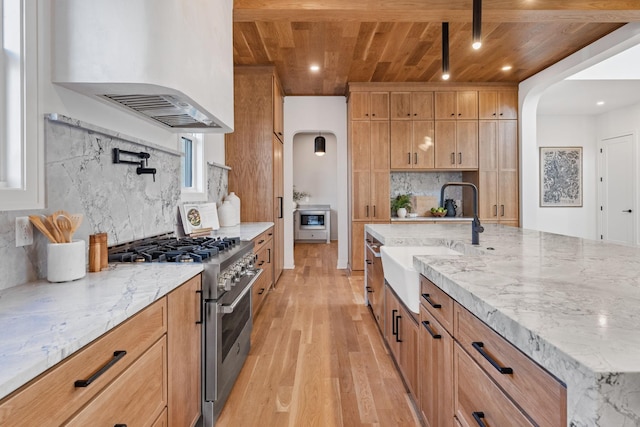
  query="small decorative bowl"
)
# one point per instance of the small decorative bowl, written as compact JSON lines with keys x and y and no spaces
{"x":439,"y":214}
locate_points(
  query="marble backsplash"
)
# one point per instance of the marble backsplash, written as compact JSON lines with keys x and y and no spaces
{"x":217,"y":183}
{"x":426,"y":184}
{"x":81,"y":178}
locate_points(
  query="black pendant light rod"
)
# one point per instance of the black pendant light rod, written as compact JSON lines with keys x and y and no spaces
{"x":445,"y":50}
{"x":477,"y":24}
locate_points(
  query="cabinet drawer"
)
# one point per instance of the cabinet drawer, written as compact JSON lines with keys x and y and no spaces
{"x":55,"y":388}
{"x":478,"y":399}
{"x":261,"y":240}
{"x":438,"y":303}
{"x":538,"y":393}
{"x":135,"y":398}
{"x":312,"y":235}
{"x":260,"y":289}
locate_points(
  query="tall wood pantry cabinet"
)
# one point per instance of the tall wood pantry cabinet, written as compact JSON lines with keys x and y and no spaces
{"x":254,"y":152}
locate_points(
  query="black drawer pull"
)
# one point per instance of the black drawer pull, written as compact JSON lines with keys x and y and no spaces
{"x":261,"y":242}
{"x":398,"y":328}
{"x":261,"y":263}
{"x":426,"y":326}
{"x":261,"y":291}
{"x":117,"y":355}
{"x":434,"y":305}
{"x":503,"y":370}
{"x":369,"y":289}
{"x":199,"y":322}
{"x":120,"y":425}
{"x":478,"y":416}
{"x":369,"y":262}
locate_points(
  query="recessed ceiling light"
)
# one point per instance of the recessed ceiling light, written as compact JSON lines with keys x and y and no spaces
{"x":600,"y":103}
{"x":506,"y":68}
{"x":315,"y":68}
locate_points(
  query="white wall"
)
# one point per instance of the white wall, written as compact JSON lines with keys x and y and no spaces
{"x":570,"y":131}
{"x":312,"y":114}
{"x":529,"y":93}
{"x":317,"y":175}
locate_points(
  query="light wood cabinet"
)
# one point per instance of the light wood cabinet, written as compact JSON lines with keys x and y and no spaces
{"x":412,"y":144}
{"x":498,"y":171}
{"x":254,"y":153}
{"x":435,"y":359}
{"x":401,"y":333}
{"x":498,"y":105}
{"x":263,"y":248}
{"x":184,"y":332}
{"x":369,"y":105}
{"x":456,"y":105}
{"x":411,"y":105}
{"x":278,"y":109}
{"x":135,"y":398}
{"x":456,"y":144}
{"x":374,"y":279}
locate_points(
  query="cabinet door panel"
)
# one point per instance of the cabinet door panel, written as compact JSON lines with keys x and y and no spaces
{"x":488,"y":195}
{"x":379,"y":103}
{"x":360,"y":146}
{"x":359,"y":105}
{"x":508,"y":194}
{"x":467,"y":144}
{"x":422,"y":105}
{"x":379,"y":146}
{"x":400,"y":104}
{"x":423,"y":145}
{"x":357,"y":246}
{"x":380,"y":204}
{"x":487,"y":105}
{"x":467,"y":105}
{"x":445,"y":105}
{"x":445,"y":144}
{"x":508,"y":105}
{"x":508,"y":145}
{"x":360,"y":195}
{"x":408,"y":333}
{"x":488,"y":145}
{"x":401,"y":136}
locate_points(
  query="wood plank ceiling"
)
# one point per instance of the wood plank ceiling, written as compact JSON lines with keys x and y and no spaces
{"x":400,"y":41}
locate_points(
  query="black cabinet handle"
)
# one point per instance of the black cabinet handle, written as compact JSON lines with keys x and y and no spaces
{"x":369,"y":289}
{"x":374,"y":211}
{"x":261,"y":263}
{"x":369,"y":262}
{"x":480,"y":347}
{"x":120,"y":425}
{"x":408,"y":158}
{"x":261,"y":242}
{"x":199,"y":322}
{"x":495,"y":210}
{"x":453,"y":158}
{"x":434,"y":335}
{"x":415,"y":158}
{"x":280,"y":215}
{"x":431,"y":303}
{"x":367,"y":211}
{"x":460,"y":158}
{"x":394,"y":325}
{"x":478,"y":416}
{"x":269,"y":253}
{"x":117,"y":355}
{"x":502,"y":207}
{"x":398,"y":328}
{"x":261,"y":291}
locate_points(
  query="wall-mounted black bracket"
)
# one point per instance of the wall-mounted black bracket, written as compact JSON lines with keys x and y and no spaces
{"x":142,"y":163}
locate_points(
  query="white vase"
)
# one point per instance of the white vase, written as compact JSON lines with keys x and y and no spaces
{"x":235,"y":201}
{"x":402,"y":212}
{"x":227,"y":214}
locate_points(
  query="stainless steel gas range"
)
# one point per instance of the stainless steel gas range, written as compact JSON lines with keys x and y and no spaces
{"x":228,"y":274}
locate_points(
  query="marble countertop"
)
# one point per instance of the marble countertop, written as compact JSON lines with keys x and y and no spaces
{"x":571,"y":304}
{"x":41,"y":323}
{"x":314,"y":207}
{"x":432,"y":218}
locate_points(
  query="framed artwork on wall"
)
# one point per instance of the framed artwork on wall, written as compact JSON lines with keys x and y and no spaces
{"x":560,"y":176}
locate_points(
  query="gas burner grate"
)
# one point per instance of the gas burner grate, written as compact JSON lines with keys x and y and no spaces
{"x":167,"y":249}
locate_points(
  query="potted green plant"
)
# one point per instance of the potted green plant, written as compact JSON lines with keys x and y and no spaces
{"x":299,"y":195}
{"x":401,"y":205}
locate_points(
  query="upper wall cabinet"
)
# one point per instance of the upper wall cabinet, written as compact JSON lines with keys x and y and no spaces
{"x":501,"y":105}
{"x":369,"y":105}
{"x":462,"y":105}
{"x":411,"y":105}
{"x":169,"y":62}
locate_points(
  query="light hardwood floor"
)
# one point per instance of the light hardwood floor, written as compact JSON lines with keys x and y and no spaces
{"x":317,"y":357}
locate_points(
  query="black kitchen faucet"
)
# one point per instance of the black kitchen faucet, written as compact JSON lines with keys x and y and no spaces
{"x":476,"y":228}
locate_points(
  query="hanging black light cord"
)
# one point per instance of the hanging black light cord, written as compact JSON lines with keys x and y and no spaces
{"x":445,"y":51}
{"x":477,"y":24}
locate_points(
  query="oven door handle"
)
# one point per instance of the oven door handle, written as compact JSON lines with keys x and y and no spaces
{"x":226,"y":309}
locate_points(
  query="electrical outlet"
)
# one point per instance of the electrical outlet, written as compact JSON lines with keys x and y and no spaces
{"x":24,"y":231}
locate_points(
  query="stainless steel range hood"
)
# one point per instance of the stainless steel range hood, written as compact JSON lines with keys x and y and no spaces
{"x":167,"y":61}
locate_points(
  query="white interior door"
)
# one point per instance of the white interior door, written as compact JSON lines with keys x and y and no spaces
{"x":618,"y":190}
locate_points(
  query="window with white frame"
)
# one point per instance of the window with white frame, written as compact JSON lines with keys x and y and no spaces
{"x":21,"y":158}
{"x":193,"y":168}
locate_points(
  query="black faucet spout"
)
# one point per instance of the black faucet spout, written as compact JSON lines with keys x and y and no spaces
{"x":476,"y":227}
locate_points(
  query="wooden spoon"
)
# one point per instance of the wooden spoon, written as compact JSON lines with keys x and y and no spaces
{"x":76,"y":220}
{"x":65,"y":226}
{"x":40,"y":225}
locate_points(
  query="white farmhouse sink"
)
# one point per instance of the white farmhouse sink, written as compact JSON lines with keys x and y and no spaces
{"x":397,"y":263}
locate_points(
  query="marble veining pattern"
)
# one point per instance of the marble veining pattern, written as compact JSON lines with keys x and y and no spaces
{"x":425,"y":184}
{"x":217,"y":183}
{"x":571,"y":304}
{"x":41,"y":323}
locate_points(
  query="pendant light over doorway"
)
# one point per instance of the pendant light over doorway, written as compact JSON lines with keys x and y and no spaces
{"x":319,"y":145}
{"x":477,"y":24}
{"x":445,"y":51}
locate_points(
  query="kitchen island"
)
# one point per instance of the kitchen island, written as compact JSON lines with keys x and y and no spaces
{"x":570,"y":304}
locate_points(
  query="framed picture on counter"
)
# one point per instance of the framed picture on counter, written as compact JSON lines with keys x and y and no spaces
{"x":560,"y":176}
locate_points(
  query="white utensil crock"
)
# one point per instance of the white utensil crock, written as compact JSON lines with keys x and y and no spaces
{"x":66,"y":261}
